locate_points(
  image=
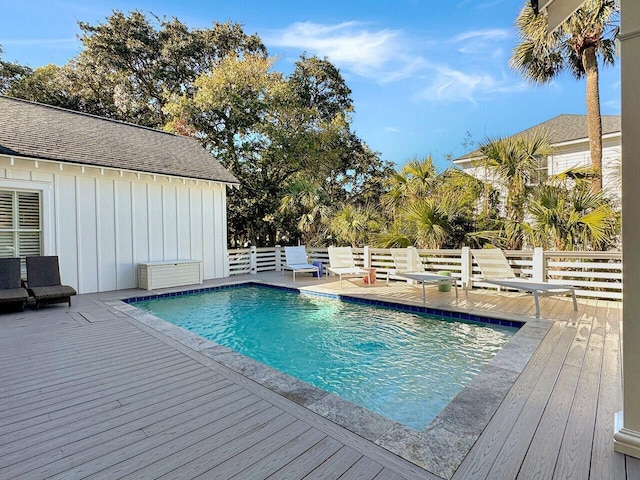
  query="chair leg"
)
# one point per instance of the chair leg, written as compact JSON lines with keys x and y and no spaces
{"x":575,"y":302}
{"x":535,"y":298}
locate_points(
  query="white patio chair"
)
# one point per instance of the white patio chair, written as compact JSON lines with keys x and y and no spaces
{"x":496,"y":270}
{"x":342,"y":263}
{"x":402,"y":269}
{"x":296,"y":260}
{"x":400,"y":257}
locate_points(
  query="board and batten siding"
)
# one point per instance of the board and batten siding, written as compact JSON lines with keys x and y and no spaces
{"x":102,"y":222}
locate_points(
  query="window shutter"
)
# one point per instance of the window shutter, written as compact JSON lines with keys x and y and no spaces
{"x":20,"y":225}
{"x":28,"y":210}
{"x":7,"y":249}
{"x":6,"y":210}
{"x":29,"y":244}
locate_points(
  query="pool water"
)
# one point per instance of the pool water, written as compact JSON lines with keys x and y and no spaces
{"x":402,"y":365}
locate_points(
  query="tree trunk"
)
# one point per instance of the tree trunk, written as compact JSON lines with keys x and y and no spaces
{"x":594,"y":120}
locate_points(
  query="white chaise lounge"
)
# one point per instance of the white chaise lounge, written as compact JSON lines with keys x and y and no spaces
{"x":419,"y":274}
{"x":342,"y":263}
{"x":496,"y":270}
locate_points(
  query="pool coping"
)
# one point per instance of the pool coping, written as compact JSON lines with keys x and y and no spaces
{"x":438,"y":448}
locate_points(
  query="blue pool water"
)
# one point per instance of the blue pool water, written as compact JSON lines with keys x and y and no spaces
{"x":404,"y":366}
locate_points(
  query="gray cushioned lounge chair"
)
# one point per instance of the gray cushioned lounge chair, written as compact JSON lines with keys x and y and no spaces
{"x":43,"y":281}
{"x":11,"y":290}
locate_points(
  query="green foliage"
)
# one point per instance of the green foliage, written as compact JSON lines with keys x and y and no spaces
{"x":515,"y":160}
{"x":540,"y":56}
{"x":10,"y":73}
{"x":354,"y":225}
{"x":428,"y":209}
{"x":132,"y":64}
{"x":572,"y":217}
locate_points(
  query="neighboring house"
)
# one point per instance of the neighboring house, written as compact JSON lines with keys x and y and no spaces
{"x":570,"y":141}
{"x":106,"y":195}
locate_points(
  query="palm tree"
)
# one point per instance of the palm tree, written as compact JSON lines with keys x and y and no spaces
{"x":416,"y":179}
{"x":572,"y":217}
{"x":354,"y":225}
{"x":307,"y":202}
{"x":515,"y":159}
{"x":585,"y":38}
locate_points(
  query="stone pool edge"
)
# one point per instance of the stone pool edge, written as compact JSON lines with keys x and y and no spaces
{"x":441,"y":447}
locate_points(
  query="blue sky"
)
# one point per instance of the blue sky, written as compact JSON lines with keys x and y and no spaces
{"x":423,"y":73}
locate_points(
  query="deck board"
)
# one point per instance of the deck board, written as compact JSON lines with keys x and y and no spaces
{"x":574,"y":458}
{"x":87,"y":392}
{"x":604,"y":461}
{"x":515,"y":446}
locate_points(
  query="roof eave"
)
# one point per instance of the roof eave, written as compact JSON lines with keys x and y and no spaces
{"x":19,"y":155}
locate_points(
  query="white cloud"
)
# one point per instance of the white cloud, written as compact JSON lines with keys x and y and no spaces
{"x":489,"y":34}
{"x":392,"y":129}
{"x":387,"y":55}
{"x":452,"y":85}
{"x":482,"y":42}
{"x":379,"y":54}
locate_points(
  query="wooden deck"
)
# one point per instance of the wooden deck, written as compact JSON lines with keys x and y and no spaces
{"x":87,"y":392}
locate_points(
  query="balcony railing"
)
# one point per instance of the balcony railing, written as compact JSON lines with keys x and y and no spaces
{"x":594,"y":274}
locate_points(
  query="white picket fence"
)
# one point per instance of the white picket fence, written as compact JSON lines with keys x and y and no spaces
{"x":594,"y":274}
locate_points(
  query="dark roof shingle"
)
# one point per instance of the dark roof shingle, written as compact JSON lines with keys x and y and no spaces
{"x":29,"y":129}
{"x":563,"y":128}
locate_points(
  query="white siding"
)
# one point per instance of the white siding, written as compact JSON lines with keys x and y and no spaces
{"x":102,"y":223}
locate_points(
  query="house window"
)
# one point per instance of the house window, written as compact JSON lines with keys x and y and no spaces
{"x":540,"y":173}
{"x":20,"y":224}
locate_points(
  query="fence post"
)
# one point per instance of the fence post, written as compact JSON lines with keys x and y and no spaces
{"x":253,"y":260}
{"x":539,"y":265}
{"x":412,"y":262}
{"x":278,"y":258}
{"x":367,"y":257}
{"x":466,"y":267}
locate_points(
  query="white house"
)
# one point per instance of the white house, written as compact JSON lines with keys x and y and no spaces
{"x":106,"y":195}
{"x":570,"y":141}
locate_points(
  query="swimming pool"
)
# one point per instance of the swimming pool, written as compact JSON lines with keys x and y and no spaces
{"x":402,"y":365}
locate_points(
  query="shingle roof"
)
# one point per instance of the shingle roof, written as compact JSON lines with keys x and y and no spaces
{"x":564,"y":128}
{"x":29,"y":129}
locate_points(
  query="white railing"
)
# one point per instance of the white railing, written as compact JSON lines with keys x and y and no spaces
{"x":594,"y":274}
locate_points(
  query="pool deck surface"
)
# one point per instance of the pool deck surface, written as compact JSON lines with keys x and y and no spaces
{"x":103,"y":390}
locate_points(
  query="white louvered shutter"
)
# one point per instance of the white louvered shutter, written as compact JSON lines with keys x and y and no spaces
{"x":20,"y":224}
{"x":29,"y":231}
{"x":7,"y":236}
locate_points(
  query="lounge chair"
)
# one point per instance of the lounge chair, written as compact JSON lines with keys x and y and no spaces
{"x":496,"y":270}
{"x":402,"y":269}
{"x":400,"y":257}
{"x":43,"y":281}
{"x":342,"y":263}
{"x":296,"y":260}
{"x":11,"y":290}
